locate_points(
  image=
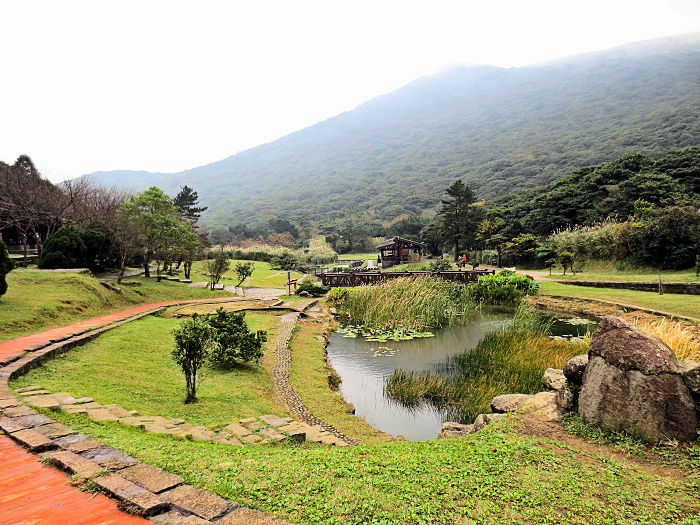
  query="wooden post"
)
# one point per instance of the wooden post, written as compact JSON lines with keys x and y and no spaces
{"x":289,"y":284}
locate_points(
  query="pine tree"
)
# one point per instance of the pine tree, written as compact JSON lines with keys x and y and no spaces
{"x":186,"y":202}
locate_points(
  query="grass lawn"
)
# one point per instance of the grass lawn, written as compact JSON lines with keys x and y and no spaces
{"x":687,"y":305}
{"x":38,"y":301}
{"x":357,"y":256}
{"x":605,"y":271}
{"x":132,"y":366}
{"x":493,"y":477}
{"x":309,"y":378}
{"x":263,"y":276}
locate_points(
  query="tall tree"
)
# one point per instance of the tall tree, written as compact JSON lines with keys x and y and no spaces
{"x":457,"y":218}
{"x":186,"y":203}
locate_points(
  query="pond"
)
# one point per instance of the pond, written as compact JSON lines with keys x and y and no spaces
{"x":364,"y":366}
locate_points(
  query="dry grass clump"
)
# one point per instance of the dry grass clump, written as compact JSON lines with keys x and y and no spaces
{"x":681,"y":337}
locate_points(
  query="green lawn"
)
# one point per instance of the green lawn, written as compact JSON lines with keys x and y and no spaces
{"x":263,"y":276}
{"x":132,"y":366}
{"x":493,"y":477}
{"x":357,"y":256}
{"x":37,"y":301}
{"x":686,"y":305}
{"x":606,"y":271}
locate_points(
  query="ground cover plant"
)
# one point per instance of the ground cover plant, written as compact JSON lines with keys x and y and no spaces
{"x":37,"y":301}
{"x":132,"y":366}
{"x":417,"y":303}
{"x":505,"y":287}
{"x":492,"y":477}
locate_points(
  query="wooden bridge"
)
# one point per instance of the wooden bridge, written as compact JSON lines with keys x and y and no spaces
{"x":364,"y":278}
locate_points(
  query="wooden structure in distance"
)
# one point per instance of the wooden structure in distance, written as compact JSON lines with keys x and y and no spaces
{"x":397,"y":250}
{"x":365,"y":278}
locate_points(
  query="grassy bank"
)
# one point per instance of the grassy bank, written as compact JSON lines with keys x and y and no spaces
{"x":309,"y":377}
{"x":685,"y":305}
{"x":492,"y":477}
{"x":132,"y":366}
{"x":38,"y":301}
{"x":502,"y":363}
{"x":418,"y":303}
{"x":606,"y":271}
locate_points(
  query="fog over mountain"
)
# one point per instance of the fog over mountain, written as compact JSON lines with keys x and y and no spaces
{"x":500,"y":130}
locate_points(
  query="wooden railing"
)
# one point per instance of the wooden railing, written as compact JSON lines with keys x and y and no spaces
{"x":364,"y":278}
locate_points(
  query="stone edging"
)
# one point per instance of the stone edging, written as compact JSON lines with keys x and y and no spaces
{"x":674,"y":288}
{"x":283,"y":363}
{"x":139,"y":488}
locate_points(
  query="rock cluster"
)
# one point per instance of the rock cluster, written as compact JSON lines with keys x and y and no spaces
{"x":628,"y":382}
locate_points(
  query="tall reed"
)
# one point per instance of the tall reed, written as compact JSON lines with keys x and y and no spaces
{"x":683,"y":339}
{"x":418,"y":303}
{"x":502,"y":363}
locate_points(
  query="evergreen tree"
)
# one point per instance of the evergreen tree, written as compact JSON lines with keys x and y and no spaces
{"x":458,"y":216}
{"x":186,"y":202}
{"x":6,"y":266}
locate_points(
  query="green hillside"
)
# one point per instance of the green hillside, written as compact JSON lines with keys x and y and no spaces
{"x":500,"y":130}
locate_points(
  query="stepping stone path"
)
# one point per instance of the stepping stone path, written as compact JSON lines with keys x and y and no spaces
{"x":253,"y":430}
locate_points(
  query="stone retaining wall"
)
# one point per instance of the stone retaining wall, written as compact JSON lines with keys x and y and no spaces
{"x":676,"y":288}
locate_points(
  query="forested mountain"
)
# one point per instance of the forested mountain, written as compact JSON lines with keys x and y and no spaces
{"x":500,"y":130}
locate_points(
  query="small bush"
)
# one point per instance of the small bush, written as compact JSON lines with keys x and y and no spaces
{"x":440,"y":265}
{"x":234,"y":343}
{"x":6,"y":266}
{"x":193,"y":343}
{"x":313,"y":289}
{"x":64,"y":249}
{"x":505,"y":287}
{"x":285,"y":261}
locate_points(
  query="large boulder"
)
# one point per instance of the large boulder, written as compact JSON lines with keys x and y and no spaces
{"x":508,"y":402}
{"x":690,"y":370}
{"x":574,"y":369}
{"x":452,"y":429}
{"x":543,"y":406}
{"x":633,"y":383}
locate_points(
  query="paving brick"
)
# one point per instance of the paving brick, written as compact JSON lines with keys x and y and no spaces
{"x":10,"y":402}
{"x":54,"y":430}
{"x":32,"y":440}
{"x":101,"y":414}
{"x":198,"y":501}
{"x":246,"y":516}
{"x":272,"y":434}
{"x":151,"y":478}
{"x":79,"y":443}
{"x":34,"y":393}
{"x":109,"y":457}
{"x":83,"y":400}
{"x":64,"y":398}
{"x":117,"y":410}
{"x":273,"y":420}
{"x":237,"y":430}
{"x":132,"y":498}
{"x":177,"y":518}
{"x":43,"y":401}
{"x":8,"y":425}
{"x":34,"y":420}
{"x":72,"y":462}
{"x":28,"y":388}
{"x":18,"y":411}
{"x":252,"y":438}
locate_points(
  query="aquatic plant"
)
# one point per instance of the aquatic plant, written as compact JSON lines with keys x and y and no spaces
{"x":416,"y":303}
{"x":502,"y":363}
{"x":505,"y":287}
{"x":382,"y":335}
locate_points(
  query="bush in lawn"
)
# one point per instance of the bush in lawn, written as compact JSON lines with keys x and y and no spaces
{"x":6,"y":266}
{"x":439,"y":265}
{"x":243,"y":270}
{"x":64,"y":249}
{"x":235,"y":344}
{"x":505,"y":287}
{"x":215,"y":268}
{"x":284,"y":261}
{"x":193,"y":343}
{"x":313,"y":289}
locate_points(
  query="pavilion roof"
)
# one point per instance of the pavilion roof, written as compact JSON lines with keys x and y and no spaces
{"x":400,"y":241}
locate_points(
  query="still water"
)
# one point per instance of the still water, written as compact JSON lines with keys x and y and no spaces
{"x":365,"y":365}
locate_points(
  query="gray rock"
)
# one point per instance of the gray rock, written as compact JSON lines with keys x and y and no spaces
{"x":484,"y":419}
{"x":574,"y":369}
{"x":553,"y":379}
{"x":632,"y":383}
{"x":690,"y":371}
{"x":508,"y":402}
{"x":565,"y":399}
{"x":543,"y":406}
{"x":452,"y":429}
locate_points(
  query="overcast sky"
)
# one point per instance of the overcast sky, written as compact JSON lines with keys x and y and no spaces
{"x":166,"y":86}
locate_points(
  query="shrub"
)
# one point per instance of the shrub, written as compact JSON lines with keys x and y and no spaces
{"x":234,"y":344}
{"x":215,"y":268}
{"x":193,"y":342}
{"x":243,"y":271}
{"x":505,"y":287}
{"x":440,"y":265}
{"x":313,"y":289}
{"x":6,"y":266}
{"x":284,"y":261}
{"x":64,"y":249}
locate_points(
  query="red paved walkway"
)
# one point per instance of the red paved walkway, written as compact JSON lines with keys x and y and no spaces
{"x":31,"y":494}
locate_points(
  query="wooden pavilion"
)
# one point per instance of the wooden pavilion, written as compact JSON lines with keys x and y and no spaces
{"x":397,"y":251}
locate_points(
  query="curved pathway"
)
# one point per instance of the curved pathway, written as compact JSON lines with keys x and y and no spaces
{"x":281,"y":377}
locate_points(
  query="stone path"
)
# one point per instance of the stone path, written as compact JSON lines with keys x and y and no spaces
{"x":29,"y":496}
{"x":254,"y":430}
{"x":296,"y":406}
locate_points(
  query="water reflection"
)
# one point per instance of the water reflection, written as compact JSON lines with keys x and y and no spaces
{"x":364,"y":367}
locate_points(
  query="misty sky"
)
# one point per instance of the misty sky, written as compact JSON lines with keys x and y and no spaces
{"x":166,"y":86}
